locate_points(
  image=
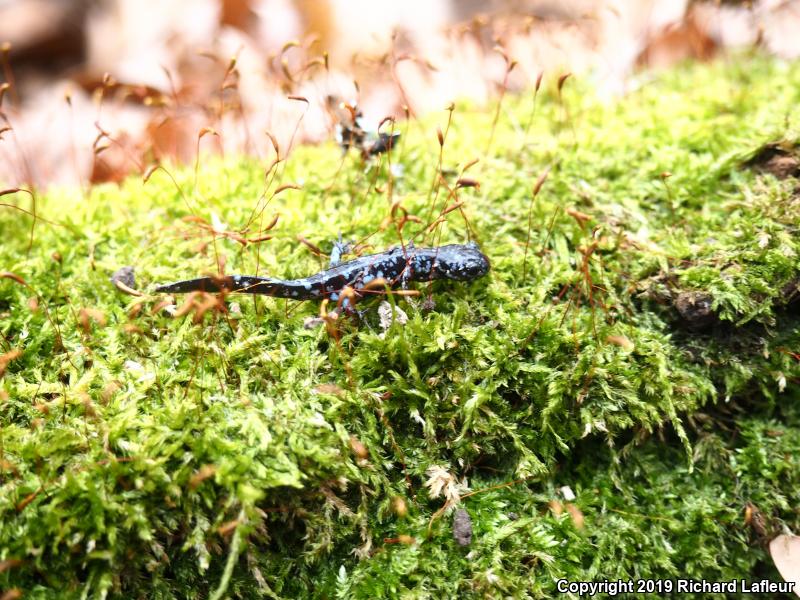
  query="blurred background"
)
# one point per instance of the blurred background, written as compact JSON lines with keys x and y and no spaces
{"x":96,"y":89}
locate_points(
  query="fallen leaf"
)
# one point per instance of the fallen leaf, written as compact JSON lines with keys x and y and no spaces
{"x":576,"y":515}
{"x":358,"y":448}
{"x":785,"y":552}
{"x":7,"y":358}
{"x":329,"y":388}
{"x":621,"y":341}
{"x":440,"y":481}
{"x":201,"y":475}
{"x":5,"y":565}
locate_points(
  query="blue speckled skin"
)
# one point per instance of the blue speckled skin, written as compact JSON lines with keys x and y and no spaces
{"x":398,"y":266}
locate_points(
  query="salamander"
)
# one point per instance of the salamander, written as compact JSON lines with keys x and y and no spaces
{"x":352,"y":133}
{"x":397,"y":266}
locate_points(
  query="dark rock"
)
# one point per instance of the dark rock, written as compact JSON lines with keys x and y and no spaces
{"x":695,"y":309}
{"x":790,"y":293}
{"x":462,"y":527}
{"x":778,"y":158}
{"x":124,"y":275}
{"x":782,"y":166}
{"x":428,"y":304}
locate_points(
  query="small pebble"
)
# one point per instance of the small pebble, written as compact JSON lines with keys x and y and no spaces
{"x":462,"y":527}
{"x":567,"y":493}
{"x":387,"y":317}
{"x":695,"y":308}
{"x":126,"y":276}
{"x":313,"y":322}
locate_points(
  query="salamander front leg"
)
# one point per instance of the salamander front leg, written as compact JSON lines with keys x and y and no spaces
{"x":340,"y":248}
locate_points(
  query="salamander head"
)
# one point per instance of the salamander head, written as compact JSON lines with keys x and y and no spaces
{"x":461,"y":262}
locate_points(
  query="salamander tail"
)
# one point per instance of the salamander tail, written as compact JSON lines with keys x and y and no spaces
{"x":231,"y":283}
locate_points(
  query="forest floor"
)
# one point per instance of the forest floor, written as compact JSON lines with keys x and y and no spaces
{"x":617,"y":399}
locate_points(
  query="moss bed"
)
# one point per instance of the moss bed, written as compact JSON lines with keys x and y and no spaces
{"x":643,"y":352}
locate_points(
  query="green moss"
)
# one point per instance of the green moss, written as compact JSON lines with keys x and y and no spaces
{"x":151,"y":456}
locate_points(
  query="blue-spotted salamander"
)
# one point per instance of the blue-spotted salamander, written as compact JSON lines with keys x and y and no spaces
{"x":397,"y":266}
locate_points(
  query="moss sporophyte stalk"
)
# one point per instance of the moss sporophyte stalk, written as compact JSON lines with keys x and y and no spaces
{"x":637,"y":345}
